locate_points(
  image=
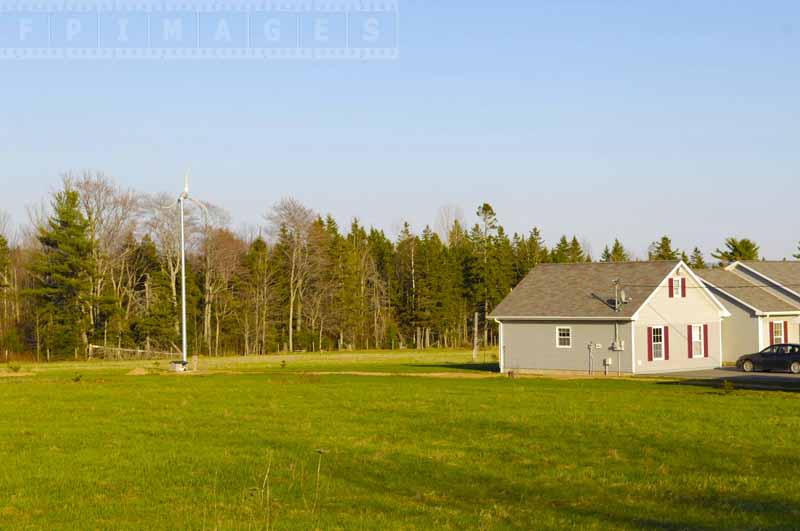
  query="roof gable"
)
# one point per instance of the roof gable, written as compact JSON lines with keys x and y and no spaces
{"x":746,"y":292}
{"x":584,"y":291}
{"x":784,"y":273}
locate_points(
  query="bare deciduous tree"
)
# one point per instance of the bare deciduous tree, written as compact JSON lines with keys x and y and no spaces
{"x":446,"y":218}
{"x":290,"y":222}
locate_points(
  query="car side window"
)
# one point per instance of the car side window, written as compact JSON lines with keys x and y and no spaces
{"x":768,"y":350}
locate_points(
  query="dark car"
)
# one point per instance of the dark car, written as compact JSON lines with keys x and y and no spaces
{"x":774,"y":358}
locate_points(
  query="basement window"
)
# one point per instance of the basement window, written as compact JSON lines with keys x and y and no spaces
{"x":564,"y":337}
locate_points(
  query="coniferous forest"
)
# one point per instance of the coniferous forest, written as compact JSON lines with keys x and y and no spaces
{"x":100,"y":265}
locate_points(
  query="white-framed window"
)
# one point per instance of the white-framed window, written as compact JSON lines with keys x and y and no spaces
{"x":564,"y":337}
{"x":698,"y":341}
{"x":658,"y":343}
{"x":677,"y":287}
{"x":778,"y":333}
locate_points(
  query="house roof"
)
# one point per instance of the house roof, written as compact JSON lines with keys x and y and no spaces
{"x":750,"y":293}
{"x":583,"y":290}
{"x":786,"y":272}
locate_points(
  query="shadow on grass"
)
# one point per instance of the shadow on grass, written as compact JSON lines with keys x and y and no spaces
{"x":479,"y":367}
{"x":752,"y":383}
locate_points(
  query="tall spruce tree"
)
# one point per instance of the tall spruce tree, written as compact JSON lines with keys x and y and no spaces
{"x":617,"y":253}
{"x":697,"y":260}
{"x":62,"y":274}
{"x":575,"y":253}
{"x":560,"y":253}
{"x":662,"y":250}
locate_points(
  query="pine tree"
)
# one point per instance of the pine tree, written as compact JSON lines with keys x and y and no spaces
{"x":737,"y":250}
{"x":560,"y":253}
{"x":153,"y":327}
{"x":697,"y":261}
{"x":617,"y":253}
{"x":62,"y":272}
{"x":575,"y":252}
{"x":662,"y":250}
{"x":798,"y":252}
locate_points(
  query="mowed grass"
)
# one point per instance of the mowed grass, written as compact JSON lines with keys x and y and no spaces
{"x":253,"y":444}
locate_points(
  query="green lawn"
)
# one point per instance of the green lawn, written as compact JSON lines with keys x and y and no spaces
{"x":236,"y":447}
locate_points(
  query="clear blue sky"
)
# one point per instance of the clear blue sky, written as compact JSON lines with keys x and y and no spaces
{"x":602,"y":118}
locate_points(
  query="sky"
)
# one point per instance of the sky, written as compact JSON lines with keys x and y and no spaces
{"x":605,"y":119}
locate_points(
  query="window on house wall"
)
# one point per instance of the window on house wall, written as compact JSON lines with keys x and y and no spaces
{"x":658,"y":343}
{"x":778,"y":336}
{"x":698,"y":341}
{"x":678,"y":290}
{"x":564,"y":337}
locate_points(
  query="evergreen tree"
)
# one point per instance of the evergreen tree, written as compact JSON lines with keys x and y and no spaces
{"x":697,"y":261}
{"x":662,"y":250}
{"x":617,"y":253}
{"x":798,"y":252}
{"x":153,"y":327}
{"x":576,"y":253}
{"x":561,"y":252}
{"x":62,"y":271}
{"x":737,"y":250}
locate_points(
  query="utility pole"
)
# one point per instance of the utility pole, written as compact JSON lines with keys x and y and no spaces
{"x":184,"y":363}
{"x":181,"y":202}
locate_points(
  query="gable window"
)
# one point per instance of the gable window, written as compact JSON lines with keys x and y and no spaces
{"x":658,"y":343}
{"x":778,"y":335}
{"x":698,"y":341}
{"x":564,"y":337}
{"x":677,"y":288}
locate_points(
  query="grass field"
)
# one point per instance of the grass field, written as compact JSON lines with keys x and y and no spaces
{"x":253,"y":444}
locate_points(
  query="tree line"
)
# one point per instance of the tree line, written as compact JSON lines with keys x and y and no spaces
{"x":101,"y":266}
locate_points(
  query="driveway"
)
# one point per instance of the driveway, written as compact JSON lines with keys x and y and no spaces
{"x":780,"y":381}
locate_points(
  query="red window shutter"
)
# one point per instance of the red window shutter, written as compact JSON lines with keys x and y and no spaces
{"x":689,"y":335}
{"x":671,"y":288}
{"x":683,"y":288}
{"x":771,"y":333}
{"x":649,"y":343}
{"x":786,"y":331}
{"x":666,"y":343}
{"x":705,"y":341}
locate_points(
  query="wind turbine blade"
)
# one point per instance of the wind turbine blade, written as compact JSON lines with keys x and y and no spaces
{"x":186,"y":181}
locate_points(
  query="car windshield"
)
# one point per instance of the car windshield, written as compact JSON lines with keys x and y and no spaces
{"x":768,"y":350}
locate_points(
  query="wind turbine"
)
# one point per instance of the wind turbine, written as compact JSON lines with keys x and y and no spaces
{"x":182,"y":204}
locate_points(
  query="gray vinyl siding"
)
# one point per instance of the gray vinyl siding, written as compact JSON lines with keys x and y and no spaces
{"x":739,"y":331}
{"x":531,"y":345}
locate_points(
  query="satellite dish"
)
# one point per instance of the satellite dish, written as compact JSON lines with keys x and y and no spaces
{"x":624,"y":297}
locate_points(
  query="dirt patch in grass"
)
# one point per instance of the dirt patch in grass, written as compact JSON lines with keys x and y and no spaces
{"x":15,"y":374}
{"x":139,"y":371}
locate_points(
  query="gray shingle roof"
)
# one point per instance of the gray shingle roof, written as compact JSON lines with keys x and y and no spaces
{"x":581,"y":290}
{"x":747,"y":291}
{"x":786,"y":272}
